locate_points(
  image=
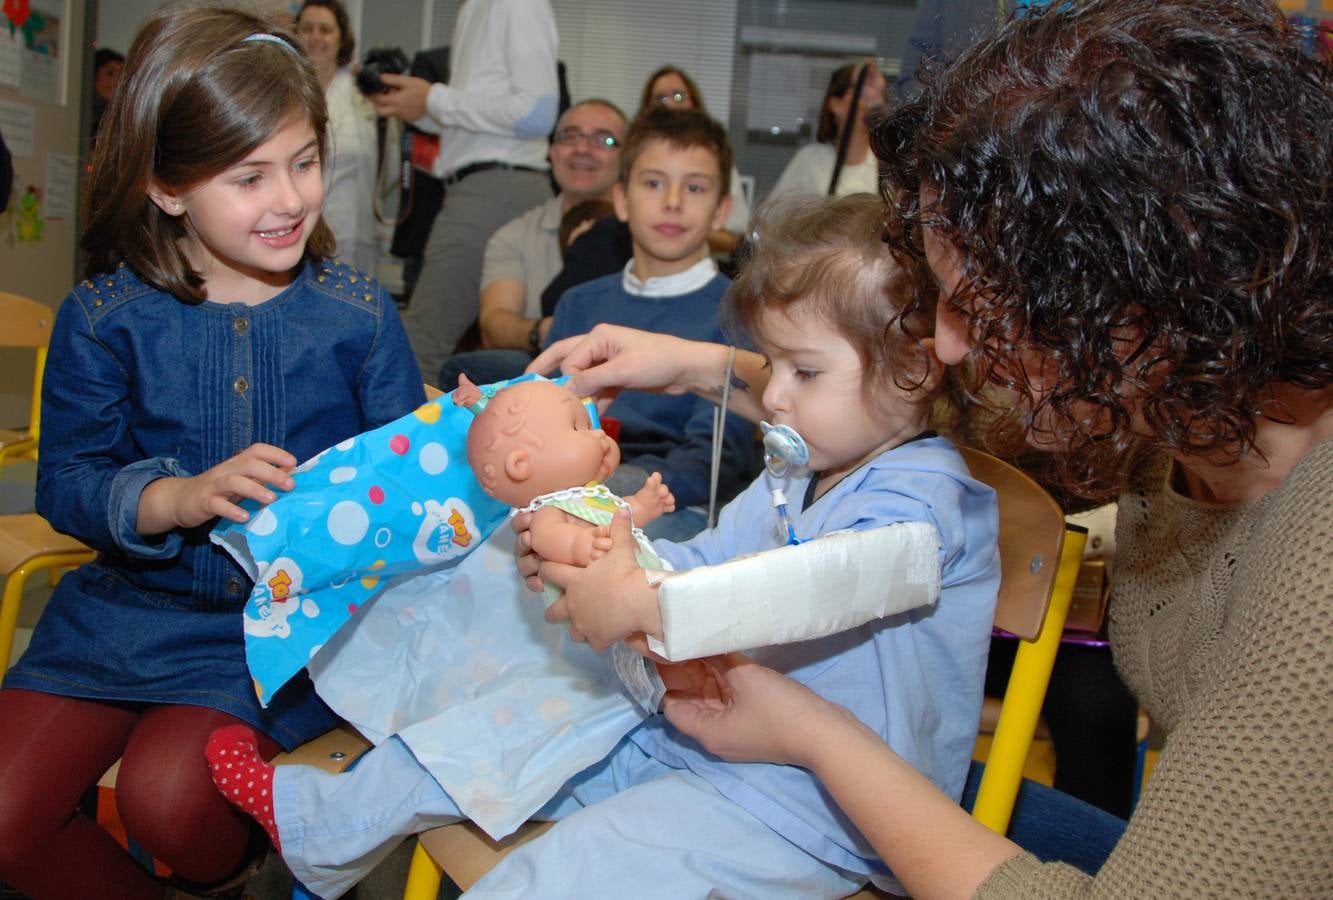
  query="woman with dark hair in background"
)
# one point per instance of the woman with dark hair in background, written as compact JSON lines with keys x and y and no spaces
{"x":671,"y":87}
{"x":349,"y":175}
{"x":811,"y":169}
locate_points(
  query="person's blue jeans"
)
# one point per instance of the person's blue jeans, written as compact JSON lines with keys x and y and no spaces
{"x":1055,"y":827}
{"x":483,"y":367}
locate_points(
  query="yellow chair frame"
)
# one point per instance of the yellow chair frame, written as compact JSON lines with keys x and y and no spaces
{"x":28,"y":324}
{"x":29,"y":544}
{"x":1039,"y":561}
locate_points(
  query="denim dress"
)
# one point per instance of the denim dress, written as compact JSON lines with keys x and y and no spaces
{"x":142,"y":386}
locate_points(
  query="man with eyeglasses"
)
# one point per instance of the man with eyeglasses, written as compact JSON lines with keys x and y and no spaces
{"x":493,"y":118}
{"x":524,"y":255}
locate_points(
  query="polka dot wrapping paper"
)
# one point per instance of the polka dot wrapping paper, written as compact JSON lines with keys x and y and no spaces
{"x":392,"y":502}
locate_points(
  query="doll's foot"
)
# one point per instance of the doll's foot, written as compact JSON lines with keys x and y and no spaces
{"x":242,"y":775}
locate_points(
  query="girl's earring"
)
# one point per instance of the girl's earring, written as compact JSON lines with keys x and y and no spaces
{"x":177,"y":208}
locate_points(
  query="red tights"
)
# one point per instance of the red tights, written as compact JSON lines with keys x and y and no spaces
{"x":55,"y":749}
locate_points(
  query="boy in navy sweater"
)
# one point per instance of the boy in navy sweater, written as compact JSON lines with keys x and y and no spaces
{"x":673,"y":190}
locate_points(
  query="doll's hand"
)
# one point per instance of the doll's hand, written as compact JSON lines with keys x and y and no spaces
{"x":608,"y":600}
{"x":169,"y":503}
{"x":652,"y":500}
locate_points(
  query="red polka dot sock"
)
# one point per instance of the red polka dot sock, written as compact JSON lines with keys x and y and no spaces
{"x":242,"y":776}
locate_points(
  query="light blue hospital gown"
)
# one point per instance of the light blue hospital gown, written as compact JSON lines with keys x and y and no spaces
{"x":661,"y":817}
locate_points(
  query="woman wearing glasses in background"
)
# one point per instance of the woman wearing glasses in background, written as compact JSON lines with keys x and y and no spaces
{"x":671,"y":87}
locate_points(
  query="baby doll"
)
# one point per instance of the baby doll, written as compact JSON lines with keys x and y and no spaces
{"x":533,"y":446}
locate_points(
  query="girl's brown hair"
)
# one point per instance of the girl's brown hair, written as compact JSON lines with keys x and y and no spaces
{"x":646,"y":100}
{"x":827,"y":258}
{"x":194,"y":100}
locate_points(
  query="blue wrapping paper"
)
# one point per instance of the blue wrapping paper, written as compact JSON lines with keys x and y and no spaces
{"x":394,"y":501}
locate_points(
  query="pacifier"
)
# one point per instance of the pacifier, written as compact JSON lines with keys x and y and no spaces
{"x":785,"y":452}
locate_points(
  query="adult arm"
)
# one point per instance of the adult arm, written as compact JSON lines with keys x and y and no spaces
{"x":1238,"y":802}
{"x":529,"y":108}
{"x":501,"y":318}
{"x":757,"y":715}
{"x":611,"y":357}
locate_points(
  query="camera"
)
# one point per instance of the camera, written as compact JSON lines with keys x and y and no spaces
{"x":378,"y":61}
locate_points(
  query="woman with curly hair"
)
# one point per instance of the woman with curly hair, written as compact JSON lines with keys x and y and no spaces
{"x":1125,"y":206}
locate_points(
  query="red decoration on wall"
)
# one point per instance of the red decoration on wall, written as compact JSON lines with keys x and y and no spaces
{"x":17,"y":12}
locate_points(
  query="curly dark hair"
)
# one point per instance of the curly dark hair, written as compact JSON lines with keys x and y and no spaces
{"x":1139,"y":191}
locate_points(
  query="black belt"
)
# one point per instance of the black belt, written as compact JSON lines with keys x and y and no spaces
{"x":459,"y":174}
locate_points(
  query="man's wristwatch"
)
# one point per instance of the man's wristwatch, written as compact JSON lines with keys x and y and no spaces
{"x":535,"y":336}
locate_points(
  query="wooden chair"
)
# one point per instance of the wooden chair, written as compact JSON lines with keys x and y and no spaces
{"x":27,"y":326}
{"x":1039,"y":561}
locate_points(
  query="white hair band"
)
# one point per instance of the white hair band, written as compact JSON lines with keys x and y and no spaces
{"x":271,"y":38}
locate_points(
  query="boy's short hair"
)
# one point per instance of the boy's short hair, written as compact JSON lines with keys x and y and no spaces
{"x":682,"y":129}
{"x":827,"y":258}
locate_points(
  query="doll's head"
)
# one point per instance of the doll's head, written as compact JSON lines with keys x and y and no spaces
{"x":533,"y":438}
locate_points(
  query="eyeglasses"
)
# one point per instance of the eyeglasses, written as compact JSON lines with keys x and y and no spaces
{"x":603,"y":140}
{"x":675,"y":98}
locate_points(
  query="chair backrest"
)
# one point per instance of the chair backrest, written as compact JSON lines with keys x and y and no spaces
{"x":1032,"y":530}
{"x":28,"y":324}
{"x":1039,"y":560}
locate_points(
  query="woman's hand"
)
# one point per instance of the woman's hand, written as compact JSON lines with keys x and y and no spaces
{"x":749,"y":713}
{"x":608,"y":600}
{"x":169,"y":503}
{"x":611,"y":357}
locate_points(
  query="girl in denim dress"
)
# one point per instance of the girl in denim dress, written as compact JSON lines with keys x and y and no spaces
{"x":212,"y":346}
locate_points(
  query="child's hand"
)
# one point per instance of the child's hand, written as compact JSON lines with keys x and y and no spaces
{"x":186,"y":502}
{"x":652,"y":500}
{"x":608,"y":600}
{"x":527,"y":559}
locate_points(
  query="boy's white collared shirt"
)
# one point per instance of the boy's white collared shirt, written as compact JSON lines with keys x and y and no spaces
{"x":692,"y":279}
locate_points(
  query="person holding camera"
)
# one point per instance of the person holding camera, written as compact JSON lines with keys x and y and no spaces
{"x":349,"y":175}
{"x":493,"y":117}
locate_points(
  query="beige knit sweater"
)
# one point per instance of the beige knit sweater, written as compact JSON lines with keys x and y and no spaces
{"x":1222,"y":626}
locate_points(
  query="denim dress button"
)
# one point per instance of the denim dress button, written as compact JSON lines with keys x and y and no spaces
{"x":241,"y":326}
{"x":241,"y":385}
{"x":233,"y":586}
